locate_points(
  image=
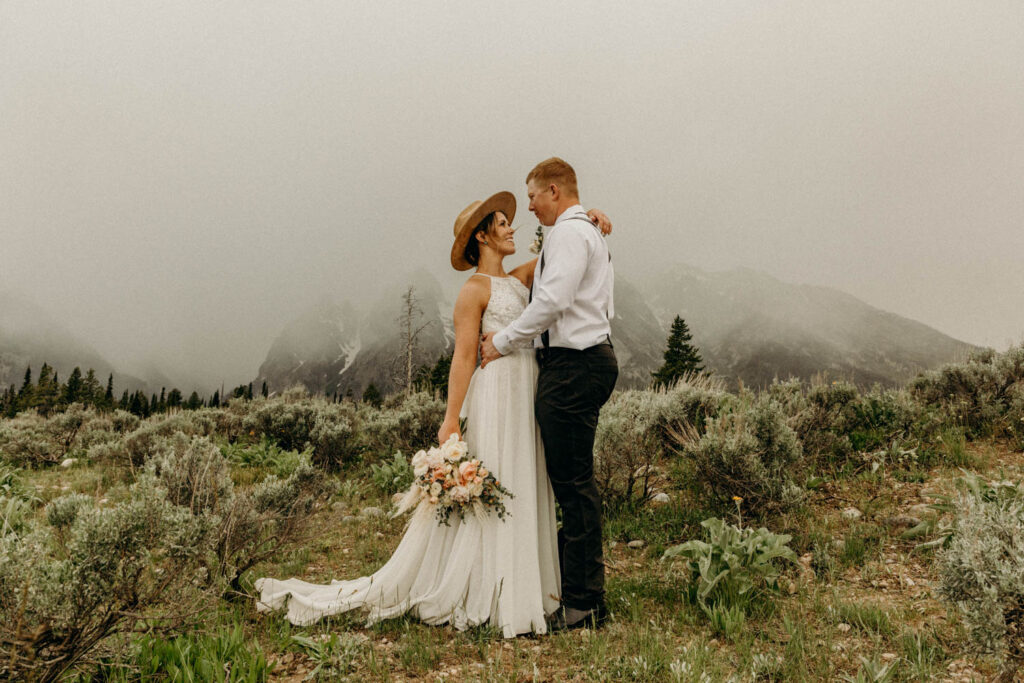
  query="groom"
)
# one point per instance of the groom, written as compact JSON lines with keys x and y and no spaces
{"x":568,"y":319}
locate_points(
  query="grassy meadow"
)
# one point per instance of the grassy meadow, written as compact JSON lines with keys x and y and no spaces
{"x":893,"y":547}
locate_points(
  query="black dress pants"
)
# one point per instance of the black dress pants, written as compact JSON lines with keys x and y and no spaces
{"x":571,"y":388}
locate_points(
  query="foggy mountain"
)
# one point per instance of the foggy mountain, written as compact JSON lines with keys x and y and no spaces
{"x":29,"y":337}
{"x":333,"y":348}
{"x":749,"y":327}
{"x":753,"y":327}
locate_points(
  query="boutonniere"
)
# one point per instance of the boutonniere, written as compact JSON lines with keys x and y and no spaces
{"x":538,"y":241}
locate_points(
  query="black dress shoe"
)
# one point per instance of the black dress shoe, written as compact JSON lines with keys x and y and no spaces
{"x":570,"y":618}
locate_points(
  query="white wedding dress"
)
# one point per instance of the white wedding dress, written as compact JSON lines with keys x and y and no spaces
{"x":502,"y":572}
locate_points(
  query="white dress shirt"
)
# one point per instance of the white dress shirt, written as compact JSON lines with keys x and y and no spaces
{"x":572,"y":289}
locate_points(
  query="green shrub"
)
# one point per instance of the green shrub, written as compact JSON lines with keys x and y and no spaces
{"x":135,"y":560}
{"x":335,"y":436}
{"x":734,"y":567}
{"x":982,"y":569}
{"x":289,"y":421}
{"x":394,"y":476}
{"x":266,"y":454}
{"x":750,"y":452}
{"x":628,"y":445}
{"x":978,"y":395}
{"x":226,"y":656}
{"x":403,"y":423}
{"x":638,"y":429}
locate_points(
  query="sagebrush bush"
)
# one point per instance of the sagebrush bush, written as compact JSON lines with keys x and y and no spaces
{"x":978,"y":394}
{"x":31,"y":440}
{"x":628,"y":445}
{"x":193,"y":471}
{"x":403,"y":423}
{"x":335,"y":436}
{"x":246,"y":526}
{"x":136,"y":560}
{"x":982,"y":569}
{"x":638,"y":429}
{"x":289,"y":422}
{"x":748,"y":451}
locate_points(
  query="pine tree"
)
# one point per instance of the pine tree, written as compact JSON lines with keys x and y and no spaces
{"x":26,"y":395}
{"x":73,"y":389}
{"x":174,"y":399}
{"x":681,"y":357}
{"x":108,"y":396}
{"x":90,"y":388}
{"x":372,"y":396}
{"x":194,"y":402}
{"x":125,"y":402}
{"x":263,"y":391}
{"x":47,"y":390}
{"x":215,"y":401}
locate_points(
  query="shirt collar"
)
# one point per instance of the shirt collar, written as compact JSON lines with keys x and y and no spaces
{"x":572,"y":210}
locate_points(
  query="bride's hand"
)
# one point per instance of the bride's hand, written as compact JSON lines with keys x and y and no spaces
{"x":602,"y":221}
{"x":447,"y":429}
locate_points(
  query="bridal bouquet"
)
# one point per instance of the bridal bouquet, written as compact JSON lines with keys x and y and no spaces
{"x":452,"y":481}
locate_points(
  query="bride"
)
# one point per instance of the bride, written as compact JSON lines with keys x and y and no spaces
{"x":479,"y":569}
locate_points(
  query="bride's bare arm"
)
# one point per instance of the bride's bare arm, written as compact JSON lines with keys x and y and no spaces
{"x":525,"y":272}
{"x":469,"y":309}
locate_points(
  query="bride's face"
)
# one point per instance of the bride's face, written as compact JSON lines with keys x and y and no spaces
{"x":501,"y":236}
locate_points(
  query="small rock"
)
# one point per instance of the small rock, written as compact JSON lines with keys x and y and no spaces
{"x":902,"y":520}
{"x":921,"y":510}
{"x":372,"y":512}
{"x":661,"y":498}
{"x":613,"y":544}
{"x":338,"y":506}
{"x":843,"y":628}
{"x":838,"y":544}
{"x":380,"y":535}
{"x":851,"y":513}
{"x":636,"y":544}
{"x":888,"y":656}
{"x":348,"y":518}
{"x":68,"y":462}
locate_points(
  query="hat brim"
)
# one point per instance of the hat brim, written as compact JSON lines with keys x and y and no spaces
{"x":502,"y":201}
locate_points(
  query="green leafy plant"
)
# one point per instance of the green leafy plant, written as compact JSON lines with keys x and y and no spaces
{"x":393,"y":476}
{"x":332,"y":655}
{"x":734,"y":567}
{"x":223,"y":656}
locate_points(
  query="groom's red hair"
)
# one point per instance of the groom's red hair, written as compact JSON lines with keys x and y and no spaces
{"x":555,"y":171}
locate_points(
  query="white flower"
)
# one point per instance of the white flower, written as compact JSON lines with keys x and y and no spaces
{"x":435,"y":458}
{"x":460,"y":494}
{"x":535,"y":247}
{"x":454,"y":448}
{"x":419,"y":463}
{"x":435,"y":489}
{"x":477,"y":489}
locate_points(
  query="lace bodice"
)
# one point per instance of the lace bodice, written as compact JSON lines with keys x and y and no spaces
{"x":509,"y":297}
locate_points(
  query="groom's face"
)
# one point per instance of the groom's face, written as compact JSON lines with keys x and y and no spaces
{"x":542,"y":202}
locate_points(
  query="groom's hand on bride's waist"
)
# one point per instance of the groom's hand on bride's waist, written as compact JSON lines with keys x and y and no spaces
{"x":487,"y":350}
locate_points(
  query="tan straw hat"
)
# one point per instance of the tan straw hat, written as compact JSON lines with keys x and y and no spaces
{"x":471,"y":217}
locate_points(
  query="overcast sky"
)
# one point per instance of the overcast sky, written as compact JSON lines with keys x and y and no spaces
{"x":179,"y":179}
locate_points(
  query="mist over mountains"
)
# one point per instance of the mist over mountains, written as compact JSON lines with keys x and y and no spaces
{"x":29,"y":337}
{"x":750,"y":328}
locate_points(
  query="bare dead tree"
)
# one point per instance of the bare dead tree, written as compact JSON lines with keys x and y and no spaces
{"x":409,"y":325}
